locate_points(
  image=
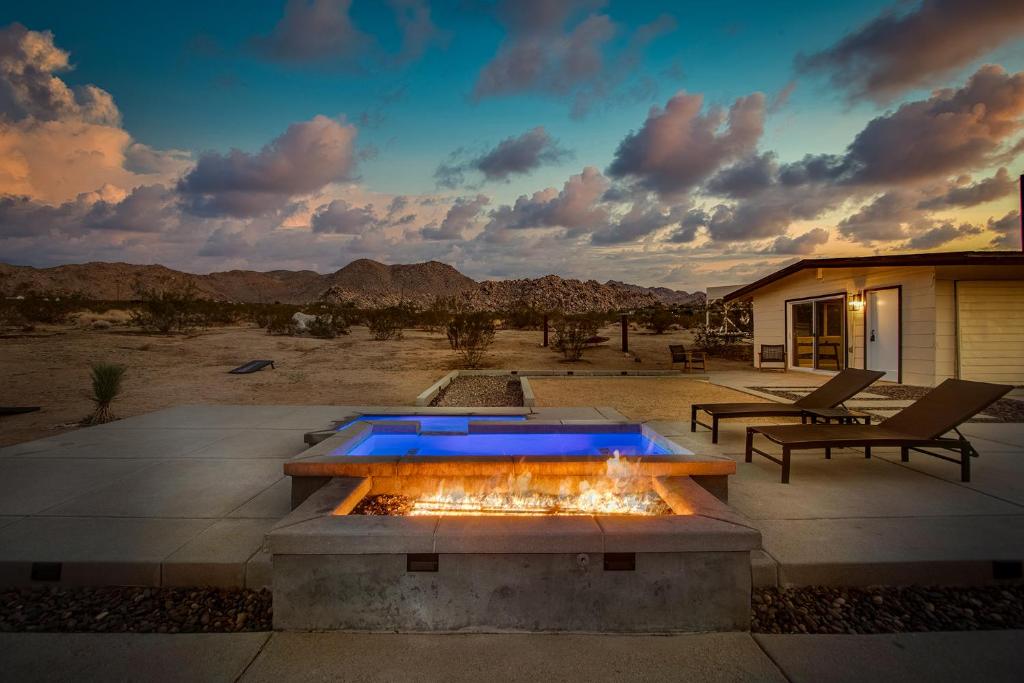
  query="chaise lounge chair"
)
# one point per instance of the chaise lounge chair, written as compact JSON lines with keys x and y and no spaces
{"x":832,"y":393}
{"x":919,"y":425}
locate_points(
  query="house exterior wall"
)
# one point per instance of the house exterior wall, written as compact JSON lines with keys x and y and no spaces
{"x":920,"y":313}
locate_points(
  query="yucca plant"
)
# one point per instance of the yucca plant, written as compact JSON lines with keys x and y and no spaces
{"x":106,"y":385}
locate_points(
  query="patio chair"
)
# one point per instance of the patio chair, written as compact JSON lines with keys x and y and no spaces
{"x":771,"y":353}
{"x":832,"y":393}
{"x":917,"y":427}
{"x":689,"y":359}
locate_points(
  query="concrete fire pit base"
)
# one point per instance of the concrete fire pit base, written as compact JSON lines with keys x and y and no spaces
{"x":688,"y":571}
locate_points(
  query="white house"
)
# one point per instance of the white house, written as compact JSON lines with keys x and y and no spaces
{"x":922,"y":318}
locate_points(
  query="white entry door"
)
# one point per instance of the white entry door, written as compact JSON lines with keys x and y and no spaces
{"x":883,"y":332}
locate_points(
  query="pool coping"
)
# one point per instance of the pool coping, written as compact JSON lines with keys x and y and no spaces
{"x":321,"y":461}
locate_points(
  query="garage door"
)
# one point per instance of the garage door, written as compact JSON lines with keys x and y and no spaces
{"x":991,"y":322}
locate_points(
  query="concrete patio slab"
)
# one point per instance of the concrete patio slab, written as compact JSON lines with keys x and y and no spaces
{"x":990,"y":656}
{"x":93,"y":550}
{"x":50,"y":657}
{"x":998,"y":472}
{"x":391,"y":657}
{"x":205,"y":416}
{"x":31,"y":485}
{"x":864,"y":551}
{"x":98,"y":442}
{"x":273,"y":502}
{"x":184,"y":488}
{"x":255,"y":443}
{"x":849,"y":486}
{"x":218,"y":555}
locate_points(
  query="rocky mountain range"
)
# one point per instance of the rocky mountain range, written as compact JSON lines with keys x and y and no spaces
{"x":364,"y":283}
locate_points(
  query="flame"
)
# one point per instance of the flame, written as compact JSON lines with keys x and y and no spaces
{"x":615,"y":494}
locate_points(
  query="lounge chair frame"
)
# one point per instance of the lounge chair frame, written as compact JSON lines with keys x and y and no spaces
{"x":921,"y":426}
{"x":766,"y":408}
{"x":959,"y":445}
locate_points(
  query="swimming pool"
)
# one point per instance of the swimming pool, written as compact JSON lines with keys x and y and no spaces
{"x":553,"y":444}
{"x":436,"y":423}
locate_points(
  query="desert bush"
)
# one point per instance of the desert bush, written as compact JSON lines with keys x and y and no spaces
{"x":471,"y":334}
{"x":106,"y":386}
{"x":709,"y":341}
{"x":522,"y":315}
{"x":166,"y":311}
{"x":437,"y":315}
{"x":387,"y":323}
{"x":572,"y":333}
{"x":49,"y":308}
{"x":658,"y":319}
{"x":282,"y":324}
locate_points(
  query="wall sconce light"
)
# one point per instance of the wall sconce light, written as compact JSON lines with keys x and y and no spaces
{"x":857,"y":302}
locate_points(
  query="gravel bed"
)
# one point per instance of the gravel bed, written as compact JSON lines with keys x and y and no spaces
{"x":383,"y":504}
{"x":820,"y":609}
{"x":813,"y":609}
{"x":481,"y":391}
{"x":135,"y":610}
{"x":1003,"y":410}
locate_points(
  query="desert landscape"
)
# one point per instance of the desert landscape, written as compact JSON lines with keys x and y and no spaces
{"x":50,"y":368}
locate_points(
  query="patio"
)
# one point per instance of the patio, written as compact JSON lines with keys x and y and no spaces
{"x":184,"y":496}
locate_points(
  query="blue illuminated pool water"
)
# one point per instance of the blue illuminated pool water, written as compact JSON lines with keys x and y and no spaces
{"x":437,"y":423}
{"x":507,"y":444}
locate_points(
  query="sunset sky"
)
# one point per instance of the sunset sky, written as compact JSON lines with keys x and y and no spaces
{"x":680,"y":144}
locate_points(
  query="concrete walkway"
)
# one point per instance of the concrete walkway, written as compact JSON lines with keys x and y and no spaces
{"x":991,"y":656}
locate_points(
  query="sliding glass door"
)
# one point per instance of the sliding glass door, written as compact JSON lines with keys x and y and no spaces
{"x":818,"y":334}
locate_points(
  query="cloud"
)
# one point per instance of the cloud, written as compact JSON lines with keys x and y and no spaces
{"x":146,"y":209}
{"x":642,"y":219}
{"x":557,"y":47}
{"x":745,"y":178}
{"x":341,"y":218}
{"x":940,"y":235}
{"x":29,"y":88}
{"x":770,"y":212}
{"x":951,"y":131}
{"x":302,"y":160}
{"x":983,"y":191}
{"x":461,"y":217}
{"x":1007,"y":229}
{"x":577,"y":207}
{"x":321,"y":32}
{"x":677,"y":148}
{"x":801,"y":245}
{"x":517,"y":155}
{"x":898,"y":51}
{"x":884,"y":219}
{"x":57,"y":142}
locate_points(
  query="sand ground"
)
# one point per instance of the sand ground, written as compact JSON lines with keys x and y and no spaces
{"x":50,"y":368}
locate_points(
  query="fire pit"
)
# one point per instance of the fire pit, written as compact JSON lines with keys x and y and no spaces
{"x":621,"y":550}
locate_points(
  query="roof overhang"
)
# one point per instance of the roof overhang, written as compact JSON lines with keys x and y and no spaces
{"x":954,"y":258}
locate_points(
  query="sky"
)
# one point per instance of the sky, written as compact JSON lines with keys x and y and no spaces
{"x":677,"y":144}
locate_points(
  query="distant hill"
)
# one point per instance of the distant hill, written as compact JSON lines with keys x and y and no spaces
{"x":363,"y":282}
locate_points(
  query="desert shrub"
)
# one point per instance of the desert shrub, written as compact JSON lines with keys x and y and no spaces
{"x":331,"y":319}
{"x":166,"y":311}
{"x":281,"y":323}
{"x":709,"y":341}
{"x":471,"y":334}
{"x":106,"y":386}
{"x":572,"y":333}
{"x":437,"y":315}
{"x":387,"y":323}
{"x":49,"y":308}
{"x":658,"y":319}
{"x":523,"y":315}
